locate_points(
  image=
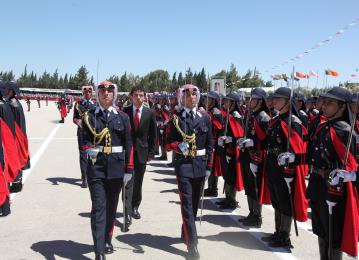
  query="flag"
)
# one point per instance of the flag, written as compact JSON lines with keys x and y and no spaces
{"x":353,"y":75}
{"x":301,"y":75}
{"x":331,"y":73}
{"x":276,"y":77}
{"x":313,"y":73}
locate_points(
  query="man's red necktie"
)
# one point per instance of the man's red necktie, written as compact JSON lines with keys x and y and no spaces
{"x":137,"y":119}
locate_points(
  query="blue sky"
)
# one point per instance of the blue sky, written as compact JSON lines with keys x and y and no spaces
{"x":141,"y":36}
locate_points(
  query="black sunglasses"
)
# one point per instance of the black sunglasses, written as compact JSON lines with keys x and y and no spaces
{"x":110,"y":86}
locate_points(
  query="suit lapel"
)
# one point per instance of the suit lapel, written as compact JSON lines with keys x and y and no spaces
{"x":130,"y":115}
{"x":142,"y":118}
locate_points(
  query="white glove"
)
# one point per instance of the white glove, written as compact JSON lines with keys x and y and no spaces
{"x":331,"y":204}
{"x":158,"y":106}
{"x":202,"y":109}
{"x":183,"y":148}
{"x":161,"y":131}
{"x":166,"y":107}
{"x":126,"y":178}
{"x":221,"y":140}
{"x":216,"y":111}
{"x":208,"y":173}
{"x":245,"y":143}
{"x":92,"y":153}
{"x":79,"y":122}
{"x":177,"y":108}
{"x":289,"y":181}
{"x":285,"y":158}
{"x":254,"y":169}
{"x":228,"y":139}
{"x":228,"y":158}
{"x":338,"y":176}
{"x":235,"y":114}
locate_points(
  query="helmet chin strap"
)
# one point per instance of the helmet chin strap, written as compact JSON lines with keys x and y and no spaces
{"x":334,"y":114}
{"x":287,"y":103}
{"x":255,"y":107}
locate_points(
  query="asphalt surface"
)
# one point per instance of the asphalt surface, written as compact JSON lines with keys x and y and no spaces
{"x":51,"y":217}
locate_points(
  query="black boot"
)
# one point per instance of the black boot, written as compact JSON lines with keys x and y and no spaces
{"x":282,"y":240}
{"x":108,"y":248}
{"x":273,"y":237}
{"x":84,"y":183}
{"x":210,"y":193}
{"x":337,"y":254}
{"x":255,"y":221}
{"x":270,"y":238}
{"x":250,"y":216}
{"x":193,"y":253}
{"x":100,"y":256}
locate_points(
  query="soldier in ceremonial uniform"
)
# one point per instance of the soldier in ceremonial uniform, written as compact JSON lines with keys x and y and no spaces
{"x":253,"y":168}
{"x":28,"y":103}
{"x":286,"y":176}
{"x":316,"y":118}
{"x":20,"y":132}
{"x":81,"y":107}
{"x":162,"y":118}
{"x":38,"y":101}
{"x":330,"y":188}
{"x":61,"y":105}
{"x":211,"y":104}
{"x":300,"y":104}
{"x":10,"y":167}
{"x":269,"y":101}
{"x":108,"y":143}
{"x":190,"y":138}
{"x":230,"y":165}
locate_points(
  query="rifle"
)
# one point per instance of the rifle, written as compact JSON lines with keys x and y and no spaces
{"x":288,"y":147}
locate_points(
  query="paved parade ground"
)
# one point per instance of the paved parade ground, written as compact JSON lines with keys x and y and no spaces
{"x":51,"y":217}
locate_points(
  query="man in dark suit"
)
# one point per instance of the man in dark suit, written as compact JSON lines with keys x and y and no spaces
{"x":143,"y":125}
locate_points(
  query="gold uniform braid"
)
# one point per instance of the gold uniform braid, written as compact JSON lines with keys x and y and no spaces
{"x":190,"y":139}
{"x":81,"y":114}
{"x":97,"y":137}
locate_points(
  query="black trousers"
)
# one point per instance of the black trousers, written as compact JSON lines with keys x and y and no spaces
{"x":278,"y":189}
{"x":134,"y":187}
{"x":139,"y":173}
{"x":104,"y":196}
{"x":190,"y":194}
{"x":317,"y":192}
{"x":82,"y":157}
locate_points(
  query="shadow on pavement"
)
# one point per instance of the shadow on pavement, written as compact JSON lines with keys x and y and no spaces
{"x":238,"y":239}
{"x":57,"y":180}
{"x":220,"y":220}
{"x":137,"y":241}
{"x":165,"y":172}
{"x":67,"y":249}
{"x":88,"y":215}
{"x":167,"y":180}
{"x":170,"y":191}
{"x":55,"y":121}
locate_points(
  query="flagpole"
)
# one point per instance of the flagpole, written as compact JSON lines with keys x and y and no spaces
{"x":323,"y":80}
{"x":316,"y":84}
{"x":326,"y":82}
{"x":308,"y":82}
